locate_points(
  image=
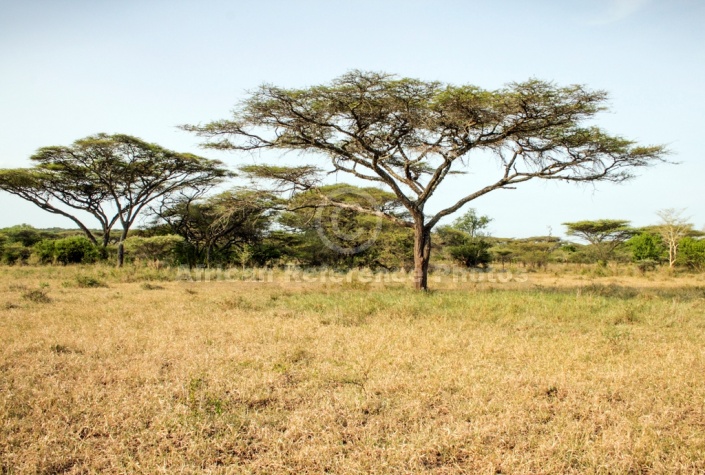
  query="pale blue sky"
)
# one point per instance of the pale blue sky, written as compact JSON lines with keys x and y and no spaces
{"x":74,"y":68}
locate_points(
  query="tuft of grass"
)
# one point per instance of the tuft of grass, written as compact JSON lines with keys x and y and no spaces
{"x":63,"y":349}
{"x":37,"y":295}
{"x":239,"y":302}
{"x":150,"y":286}
{"x":88,"y":282}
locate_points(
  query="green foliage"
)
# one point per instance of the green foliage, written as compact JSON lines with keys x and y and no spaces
{"x":76,"y":250}
{"x":45,"y":251}
{"x":534,"y":252}
{"x":472,"y":223}
{"x":646,"y":247}
{"x":15,"y":253}
{"x":338,"y":226}
{"x":447,"y":236}
{"x":215,"y":228}
{"x":266,"y":253}
{"x":463,"y":248}
{"x":691,"y":253}
{"x":394,"y":248}
{"x":155,"y":248}
{"x":567,"y":252}
{"x":24,"y":234}
{"x":604,"y":235}
{"x":16,"y":242}
{"x":474,"y":253}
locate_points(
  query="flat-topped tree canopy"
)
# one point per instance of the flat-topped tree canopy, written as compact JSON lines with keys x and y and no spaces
{"x":408,"y":135}
{"x":605,"y":235}
{"x":111,"y":177}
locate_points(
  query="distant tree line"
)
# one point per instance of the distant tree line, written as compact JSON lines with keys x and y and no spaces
{"x":244,"y":227}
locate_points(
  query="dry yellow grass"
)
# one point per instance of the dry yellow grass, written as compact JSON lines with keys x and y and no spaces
{"x":560,"y":373}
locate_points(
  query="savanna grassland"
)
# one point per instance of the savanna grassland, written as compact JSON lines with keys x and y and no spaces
{"x":131,"y":371}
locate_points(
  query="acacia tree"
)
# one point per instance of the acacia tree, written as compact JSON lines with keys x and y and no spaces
{"x":213,"y":226}
{"x":338,"y":227}
{"x":409,"y":135}
{"x":605,"y":235}
{"x":472,"y":223}
{"x":673,"y":228}
{"x":111,"y":177}
{"x":465,"y":239}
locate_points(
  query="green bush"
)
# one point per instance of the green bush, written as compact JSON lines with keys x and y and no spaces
{"x":646,"y":247}
{"x":15,"y":253}
{"x":44,"y":251}
{"x":76,"y":250}
{"x":691,"y":253}
{"x":24,"y":234}
{"x":472,"y":254}
{"x":155,"y":248}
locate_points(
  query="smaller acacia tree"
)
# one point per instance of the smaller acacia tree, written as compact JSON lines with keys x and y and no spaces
{"x":213,"y":226}
{"x":605,"y":235}
{"x":345,"y":223}
{"x":673,"y":228}
{"x":110,"y":177}
{"x":472,"y":223}
{"x":464,"y":239}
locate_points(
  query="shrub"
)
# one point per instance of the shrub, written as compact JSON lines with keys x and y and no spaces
{"x":15,"y":253}
{"x":156,"y":248}
{"x":646,"y":247}
{"x":70,"y":250}
{"x":44,"y":251}
{"x":85,"y":281}
{"x":24,"y":234}
{"x":691,"y":253}
{"x":472,"y":254}
{"x":37,"y":296}
{"x":75,"y":250}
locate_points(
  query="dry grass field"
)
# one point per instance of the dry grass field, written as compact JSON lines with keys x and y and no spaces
{"x":131,"y":371}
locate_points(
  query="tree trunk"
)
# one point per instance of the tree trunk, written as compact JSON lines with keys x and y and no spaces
{"x":121,"y":248}
{"x":422,"y":255}
{"x":120,"y":253}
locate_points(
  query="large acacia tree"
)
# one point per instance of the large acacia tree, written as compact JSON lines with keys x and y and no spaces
{"x":111,"y":178}
{"x":408,"y":136}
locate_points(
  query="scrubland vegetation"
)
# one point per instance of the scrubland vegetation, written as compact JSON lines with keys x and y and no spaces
{"x":566,"y":370}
